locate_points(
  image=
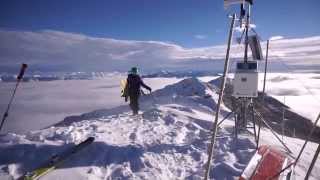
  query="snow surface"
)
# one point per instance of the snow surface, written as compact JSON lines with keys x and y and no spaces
{"x":40,"y":104}
{"x":168,"y":140}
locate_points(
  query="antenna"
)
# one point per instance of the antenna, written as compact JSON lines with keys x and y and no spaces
{"x":247,"y":33}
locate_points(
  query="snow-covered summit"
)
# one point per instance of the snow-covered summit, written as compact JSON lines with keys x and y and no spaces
{"x":186,"y":87}
{"x":168,"y":140}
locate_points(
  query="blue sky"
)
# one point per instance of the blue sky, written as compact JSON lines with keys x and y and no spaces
{"x":189,"y":23}
{"x":113,"y":35}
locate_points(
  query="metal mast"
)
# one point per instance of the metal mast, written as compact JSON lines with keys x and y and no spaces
{"x":222,"y":86}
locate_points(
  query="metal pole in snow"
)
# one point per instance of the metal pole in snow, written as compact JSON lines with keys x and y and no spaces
{"x":272,"y":131}
{"x":301,"y":150}
{"x":259,"y":128}
{"x":308,"y":138}
{"x":282,"y":123}
{"x":283,"y":116}
{"x":19,"y":77}
{"x":313,"y":162}
{"x":222,"y":86}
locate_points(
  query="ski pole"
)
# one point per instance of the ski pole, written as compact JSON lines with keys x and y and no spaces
{"x":153,"y":98}
{"x":19,"y":77}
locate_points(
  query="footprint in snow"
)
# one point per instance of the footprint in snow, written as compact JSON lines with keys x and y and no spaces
{"x":133,"y":137}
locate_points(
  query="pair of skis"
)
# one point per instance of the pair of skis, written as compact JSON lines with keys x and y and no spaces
{"x":56,"y":161}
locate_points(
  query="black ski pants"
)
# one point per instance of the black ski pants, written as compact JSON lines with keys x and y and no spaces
{"x":134,"y":104}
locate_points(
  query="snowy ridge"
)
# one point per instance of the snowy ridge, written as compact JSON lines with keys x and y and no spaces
{"x":168,"y":140}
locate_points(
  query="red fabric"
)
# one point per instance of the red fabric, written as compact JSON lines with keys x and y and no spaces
{"x":271,"y":163}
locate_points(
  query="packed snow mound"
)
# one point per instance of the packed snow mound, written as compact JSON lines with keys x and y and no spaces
{"x":168,"y":140}
{"x":189,"y":92}
{"x":186,"y":87}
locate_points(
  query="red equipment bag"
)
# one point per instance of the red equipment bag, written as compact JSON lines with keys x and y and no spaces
{"x":265,"y":163}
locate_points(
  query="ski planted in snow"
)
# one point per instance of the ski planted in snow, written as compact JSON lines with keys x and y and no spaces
{"x":56,"y":160}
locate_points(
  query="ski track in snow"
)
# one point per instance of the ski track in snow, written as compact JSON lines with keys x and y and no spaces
{"x":168,"y":140}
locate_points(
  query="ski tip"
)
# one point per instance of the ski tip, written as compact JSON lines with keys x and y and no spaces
{"x":88,"y":140}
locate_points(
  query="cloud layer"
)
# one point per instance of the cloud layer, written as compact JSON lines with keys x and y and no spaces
{"x":59,"y":51}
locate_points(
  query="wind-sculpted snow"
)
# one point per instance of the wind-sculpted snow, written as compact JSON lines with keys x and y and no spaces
{"x":168,"y":140}
{"x":190,"y":92}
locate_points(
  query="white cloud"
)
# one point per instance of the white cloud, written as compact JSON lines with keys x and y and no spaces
{"x":59,"y":51}
{"x":200,"y":36}
{"x":274,"y":38}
